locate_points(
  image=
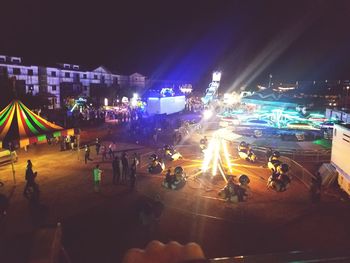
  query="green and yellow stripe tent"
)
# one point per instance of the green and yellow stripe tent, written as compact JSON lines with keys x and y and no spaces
{"x":18,"y":123}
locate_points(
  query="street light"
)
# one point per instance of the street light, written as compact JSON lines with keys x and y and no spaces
{"x":270,"y":78}
{"x":347,"y":96}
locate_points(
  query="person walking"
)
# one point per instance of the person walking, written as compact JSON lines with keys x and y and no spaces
{"x":98,"y":146}
{"x":30,"y":178}
{"x":97,"y":178}
{"x":116,"y":170}
{"x":125,"y":165}
{"x":87,"y":154}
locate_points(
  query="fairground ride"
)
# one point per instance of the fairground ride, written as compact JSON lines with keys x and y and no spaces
{"x":211,"y":92}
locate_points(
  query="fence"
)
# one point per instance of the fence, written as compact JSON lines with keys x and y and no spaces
{"x":298,"y":171}
{"x":315,"y":156}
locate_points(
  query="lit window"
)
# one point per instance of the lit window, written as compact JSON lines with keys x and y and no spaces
{"x":16,"y":71}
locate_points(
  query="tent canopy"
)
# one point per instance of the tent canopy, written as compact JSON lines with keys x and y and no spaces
{"x":18,"y":123}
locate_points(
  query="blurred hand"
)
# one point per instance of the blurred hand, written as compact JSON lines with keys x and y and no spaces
{"x":157,"y":252}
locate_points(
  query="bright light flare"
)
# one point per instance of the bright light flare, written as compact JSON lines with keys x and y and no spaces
{"x":75,"y":105}
{"x":208,"y":155}
{"x":216,"y":157}
{"x":227,"y":155}
{"x":222,"y":174}
{"x":217,"y":76}
{"x":207,"y":114}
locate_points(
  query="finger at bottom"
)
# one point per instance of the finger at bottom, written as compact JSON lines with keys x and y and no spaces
{"x":193,"y":251}
{"x":134,"y":255}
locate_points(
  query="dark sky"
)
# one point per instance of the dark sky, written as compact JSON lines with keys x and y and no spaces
{"x":247,"y":40}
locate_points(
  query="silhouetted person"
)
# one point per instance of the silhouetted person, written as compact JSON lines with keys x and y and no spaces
{"x":133,"y":175}
{"x":30,"y":179}
{"x":98,"y":146}
{"x":97,"y":178}
{"x":87,"y":154}
{"x":315,"y":188}
{"x":268,"y":153}
{"x":125,"y":164}
{"x":116,"y":170}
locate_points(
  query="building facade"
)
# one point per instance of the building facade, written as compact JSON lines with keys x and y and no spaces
{"x":65,"y":80}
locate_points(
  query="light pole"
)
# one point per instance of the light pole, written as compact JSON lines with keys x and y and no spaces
{"x":13,"y":167}
{"x":347,"y":96}
{"x":270,"y":78}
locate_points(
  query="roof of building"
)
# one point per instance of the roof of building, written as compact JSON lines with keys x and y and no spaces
{"x":61,"y":66}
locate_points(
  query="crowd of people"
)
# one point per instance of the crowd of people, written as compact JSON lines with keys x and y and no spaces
{"x":86,"y":116}
{"x":124,"y":167}
{"x":194,"y":104}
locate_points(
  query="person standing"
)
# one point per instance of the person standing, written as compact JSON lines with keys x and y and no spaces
{"x":116,"y":170}
{"x":315,"y":188}
{"x":67,"y":142}
{"x":98,"y":146}
{"x":269,"y":153}
{"x":125,"y":164}
{"x":111,"y":150}
{"x":87,"y":154}
{"x":72,"y":142}
{"x":30,"y":178}
{"x":133,"y":168}
{"x":97,"y":178}
{"x":132,"y":177}
{"x":135,"y":160}
{"x":104,"y":152}
{"x":62,"y":143}
{"x":155,"y":137}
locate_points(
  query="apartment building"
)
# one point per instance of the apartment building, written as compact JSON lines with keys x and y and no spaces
{"x":65,"y":80}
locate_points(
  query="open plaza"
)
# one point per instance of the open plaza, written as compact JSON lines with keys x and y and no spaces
{"x":264,"y":221}
{"x":174,"y":131}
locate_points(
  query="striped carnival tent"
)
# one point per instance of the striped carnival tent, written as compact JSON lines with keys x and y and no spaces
{"x":21,"y":125}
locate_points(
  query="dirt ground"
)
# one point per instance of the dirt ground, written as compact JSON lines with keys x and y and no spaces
{"x":100,"y":227}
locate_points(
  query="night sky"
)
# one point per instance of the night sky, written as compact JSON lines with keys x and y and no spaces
{"x":247,"y":40}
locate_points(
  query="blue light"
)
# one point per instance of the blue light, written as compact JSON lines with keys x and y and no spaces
{"x":153,"y":98}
